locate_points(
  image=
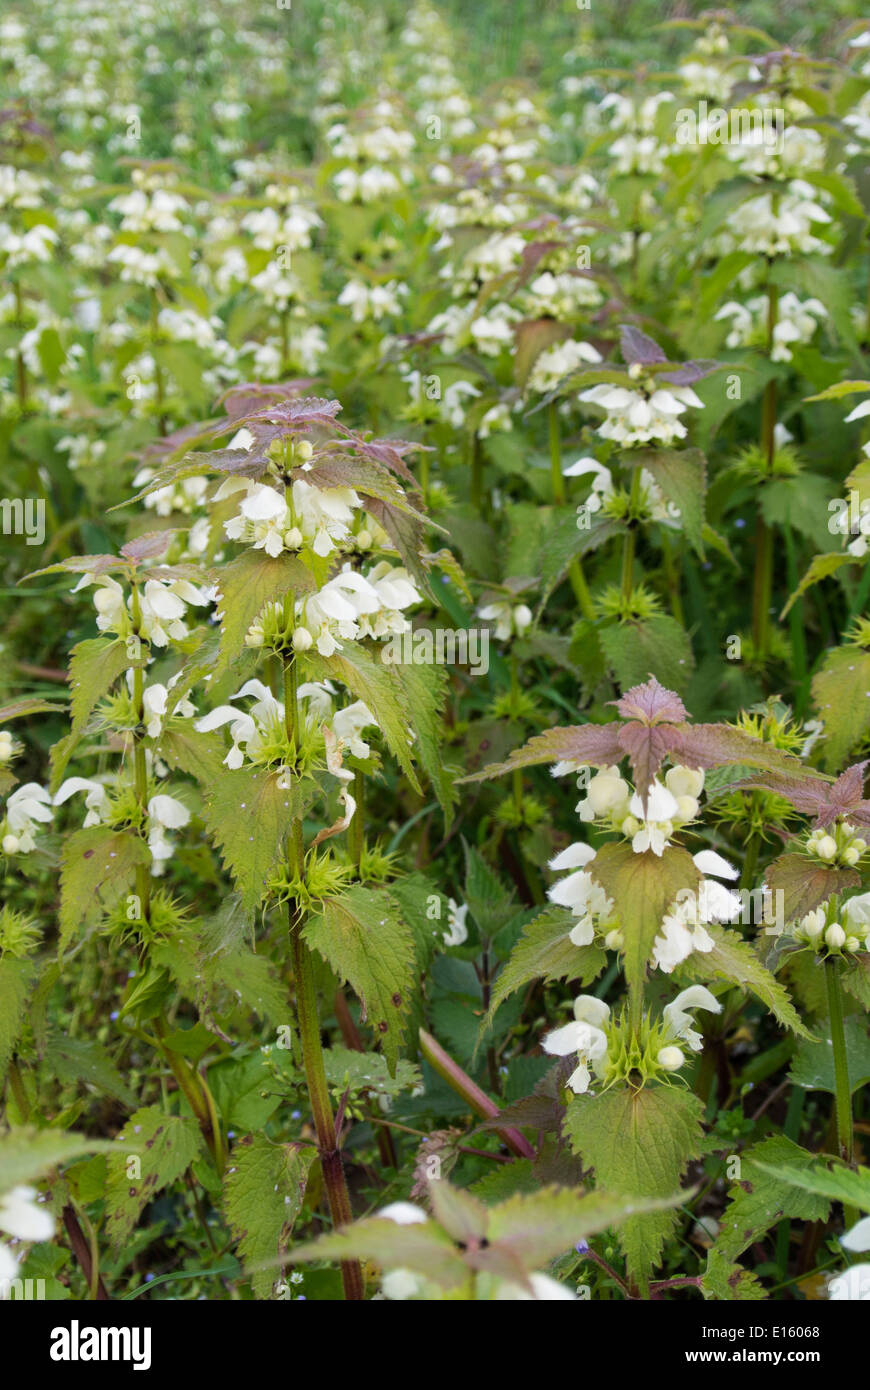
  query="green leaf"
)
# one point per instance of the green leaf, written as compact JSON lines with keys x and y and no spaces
{"x":421,"y":1247}
{"x":682,"y":476}
{"x":361,"y":1072}
{"x":734,"y":959}
{"x":544,"y":952}
{"x":376,"y":683}
{"x":16,"y":979}
{"x":165,"y":1146}
{"x":821,"y":567}
{"x":424,"y":693}
{"x":95,"y":665}
{"x":760,"y":1200}
{"x":27,"y":1153}
{"x":639,"y":1143}
{"x":363,"y":936}
{"x":87,"y":1062}
{"x":247,"y":584}
{"x":839,"y":1184}
{"x":813,"y":1063}
{"x":642,"y":887}
{"x":98,"y":864}
{"x":727,"y":1282}
{"x":841,"y":692}
{"x":840,"y":389}
{"x":637,"y":648}
{"x":248,"y":815}
{"x":263,"y":1194}
{"x":201,"y":755}
{"x":805,"y":883}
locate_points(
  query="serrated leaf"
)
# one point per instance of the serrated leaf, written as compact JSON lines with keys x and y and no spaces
{"x":727,"y":1282}
{"x":95,"y":665}
{"x":16,"y":978}
{"x":734,"y":959}
{"x":643,"y":887}
{"x":377,"y":685}
{"x":21,"y":709}
{"x":165,"y":1146}
{"x":86,"y":1061}
{"x":841,"y":693}
{"x":98,"y":864}
{"x":421,"y":1247}
{"x":638,"y":1143}
{"x":201,"y":755}
{"x":806,"y":882}
{"x":366,"y":941}
{"x":27,"y":1153}
{"x":681,"y":474}
{"x":248,"y":815}
{"x":247,"y":584}
{"x":760,"y":1200}
{"x":368,"y":1071}
{"x":657,"y":644}
{"x":424,"y":694}
{"x":820,"y":567}
{"x":264,"y":1190}
{"x":840,"y":1184}
{"x":544,"y":952}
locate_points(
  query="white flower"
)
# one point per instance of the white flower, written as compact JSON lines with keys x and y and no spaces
{"x":347,"y":725}
{"x":858,"y":1236}
{"x":543,"y":1289}
{"x":510,"y":619}
{"x":404,"y":1214}
{"x":678,"y":1018}
{"x":26,"y":806}
{"x":165,"y":813}
{"x":22,"y":1218}
{"x":457,"y":932}
{"x":637,"y":417}
{"x":650,"y":829}
{"x":585,"y":1037}
{"x":96,"y":799}
{"x":606,"y":795}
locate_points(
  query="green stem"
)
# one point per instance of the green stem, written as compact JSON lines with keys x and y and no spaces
{"x":629,"y":542}
{"x":308,"y":1023}
{"x":356,"y":829}
{"x":843,"y":1093}
{"x":763,"y":580}
{"x":476,"y":475}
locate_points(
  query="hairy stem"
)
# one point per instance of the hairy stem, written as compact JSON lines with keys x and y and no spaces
{"x":843,"y":1093}
{"x":308,"y":1023}
{"x":763,"y":580}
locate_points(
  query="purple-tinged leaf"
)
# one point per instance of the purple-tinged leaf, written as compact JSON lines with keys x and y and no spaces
{"x":806,"y":883}
{"x":690,"y":372}
{"x":651,"y":703}
{"x":637,"y":347}
{"x":594,"y":745}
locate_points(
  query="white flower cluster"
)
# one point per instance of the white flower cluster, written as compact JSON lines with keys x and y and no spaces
{"x":353,"y":605}
{"x":640,"y":416}
{"x":586,"y":1036}
{"x":796,"y":323}
{"x":840,"y":844}
{"x":848,"y":935}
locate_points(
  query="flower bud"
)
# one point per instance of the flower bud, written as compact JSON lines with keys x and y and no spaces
{"x":852,"y":943}
{"x":293,"y":539}
{"x":687,"y":807}
{"x":670,"y":1057}
{"x":835,"y":937}
{"x":614,"y":940}
{"x":684,"y":781}
{"x":364,"y":539}
{"x":851,"y":854}
{"x":522,"y":618}
{"x":630,"y":826}
{"x":10,"y":844}
{"x":304,"y":449}
{"x":826,"y":847}
{"x":254,"y":636}
{"x":302,"y":640}
{"x":606,"y":793}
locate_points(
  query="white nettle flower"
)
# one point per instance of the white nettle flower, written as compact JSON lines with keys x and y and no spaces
{"x":606,"y":795}
{"x":22,"y":1218}
{"x":679,"y":1019}
{"x":584,"y":898}
{"x":683,"y":927}
{"x":246,"y":730}
{"x":165,"y":813}
{"x":635,"y":417}
{"x":585,"y":1036}
{"x":348,"y":724}
{"x":163,"y":605}
{"x":651,"y":826}
{"x":96,"y":797}
{"x":511,"y":619}
{"x":26,"y":807}
{"x":457,"y":931}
